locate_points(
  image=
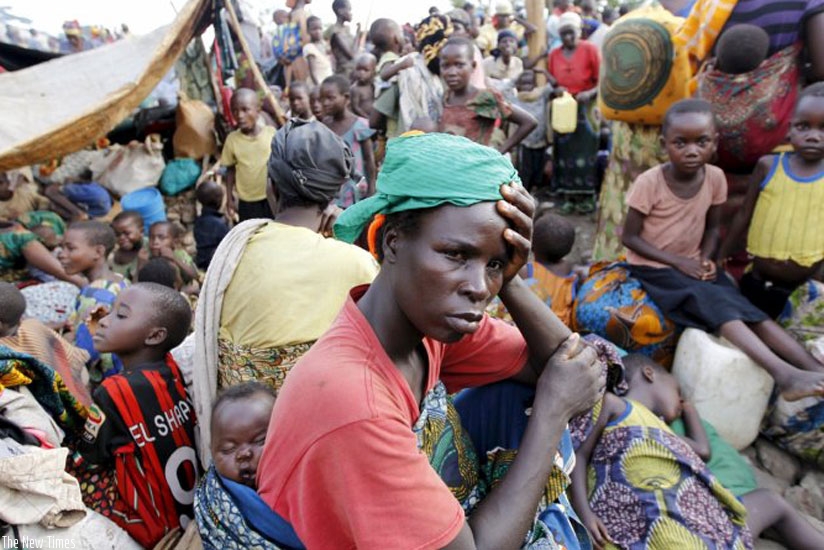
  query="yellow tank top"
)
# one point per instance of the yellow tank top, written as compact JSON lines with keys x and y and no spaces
{"x":788,"y":221}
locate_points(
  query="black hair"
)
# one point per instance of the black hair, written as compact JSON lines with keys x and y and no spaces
{"x":338,"y":5}
{"x":174,"y":229}
{"x":553,"y":237}
{"x":813,"y":90}
{"x":241,"y":93}
{"x":687,"y":106}
{"x":624,"y":9}
{"x":380,"y":33}
{"x":741,"y":48}
{"x":129,"y":215}
{"x":210,"y":193}
{"x":97,"y":233}
{"x":298,"y":84}
{"x":159,"y":270}
{"x":461,"y":41}
{"x":634,"y":362}
{"x":339,"y":81}
{"x":241,"y":392}
{"x":12,"y":304}
{"x":407,"y":222}
{"x":524,"y":73}
{"x":170,"y":310}
{"x":312,"y":19}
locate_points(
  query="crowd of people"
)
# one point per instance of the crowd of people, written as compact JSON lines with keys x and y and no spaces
{"x":378,"y":338}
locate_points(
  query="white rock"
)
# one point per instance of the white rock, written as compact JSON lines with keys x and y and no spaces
{"x":728,"y":388}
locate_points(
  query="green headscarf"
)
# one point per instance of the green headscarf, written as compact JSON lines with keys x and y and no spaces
{"x":428,"y":170}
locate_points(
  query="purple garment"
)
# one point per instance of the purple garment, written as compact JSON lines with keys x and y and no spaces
{"x":354,"y":137}
{"x":783,"y":20}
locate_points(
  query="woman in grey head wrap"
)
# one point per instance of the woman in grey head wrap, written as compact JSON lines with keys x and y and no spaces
{"x":308,"y":164}
{"x":274,"y":287}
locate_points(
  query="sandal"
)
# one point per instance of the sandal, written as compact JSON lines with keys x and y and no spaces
{"x":586,"y":206}
{"x":567,"y":208}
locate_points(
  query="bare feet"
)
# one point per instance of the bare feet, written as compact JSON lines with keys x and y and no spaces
{"x":800,"y":384}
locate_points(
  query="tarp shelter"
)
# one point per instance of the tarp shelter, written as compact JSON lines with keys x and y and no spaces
{"x":58,"y":107}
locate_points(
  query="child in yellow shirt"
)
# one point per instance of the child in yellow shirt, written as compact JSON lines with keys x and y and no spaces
{"x":245,"y":155}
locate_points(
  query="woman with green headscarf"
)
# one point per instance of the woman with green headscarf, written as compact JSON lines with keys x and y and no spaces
{"x":366,"y":448}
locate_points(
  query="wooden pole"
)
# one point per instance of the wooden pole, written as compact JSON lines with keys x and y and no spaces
{"x":535,"y":15}
{"x":280,"y":118}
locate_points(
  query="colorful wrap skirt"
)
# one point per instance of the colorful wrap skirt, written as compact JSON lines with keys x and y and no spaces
{"x":615,"y":306}
{"x":798,"y":426}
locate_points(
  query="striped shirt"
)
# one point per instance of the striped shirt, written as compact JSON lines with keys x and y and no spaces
{"x":783,"y":20}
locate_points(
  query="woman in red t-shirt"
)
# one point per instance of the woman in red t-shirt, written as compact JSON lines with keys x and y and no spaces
{"x":365,"y":448}
{"x":574,"y":67}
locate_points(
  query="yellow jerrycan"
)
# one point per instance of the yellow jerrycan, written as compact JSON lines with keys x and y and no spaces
{"x":564,"y":114}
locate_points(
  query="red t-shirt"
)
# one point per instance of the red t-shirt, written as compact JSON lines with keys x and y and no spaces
{"x":341,"y":462}
{"x":579,"y":72}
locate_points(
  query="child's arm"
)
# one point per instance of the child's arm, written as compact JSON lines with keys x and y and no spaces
{"x":389,"y":70}
{"x":369,"y":164}
{"x":530,"y":62}
{"x":355,"y":97}
{"x":310,"y":60}
{"x":187,"y":271}
{"x":342,"y":46}
{"x":696,"y":435}
{"x":525,"y":122}
{"x":611,"y":408}
{"x":231,"y":203}
{"x":743,"y":216}
{"x":104,"y":430}
{"x":37,"y":255}
{"x":63,"y":205}
{"x":709,"y":242}
{"x":632,"y":239}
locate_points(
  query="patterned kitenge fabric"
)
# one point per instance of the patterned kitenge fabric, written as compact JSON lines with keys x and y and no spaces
{"x":443,"y":435}
{"x":13,"y":239}
{"x":752,"y":110}
{"x":220,"y":520}
{"x":653,"y":492}
{"x":798,"y":426}
{"x":238,"y":364}
{"x":615,"y":306}
{"x":576,"y":154}
{"x":635,"y":149}
{"x":46,"y":385}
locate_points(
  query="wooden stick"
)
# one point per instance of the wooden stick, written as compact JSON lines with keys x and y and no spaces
{"x":537,"y":40}
{"x":280,"y":118}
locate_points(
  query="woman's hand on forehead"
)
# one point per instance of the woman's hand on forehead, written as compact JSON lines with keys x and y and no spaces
{"x":518,"y":208}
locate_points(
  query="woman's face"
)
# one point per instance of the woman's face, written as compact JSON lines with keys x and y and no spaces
{"x":569,"y":37}
{"x":445,"y":275}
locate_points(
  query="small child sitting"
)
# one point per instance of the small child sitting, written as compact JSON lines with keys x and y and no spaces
{"x":210,"y":226}
{"x":34,"y":338}
{"x":86,"y":245}
{"x":672,"y":232}
{"x":638,"y":485}
{"x":142,"y":420}
{"x":362,"y":91}
{"x":132,"y":246}
{"x":299,"y":102}
{"x":227,"y":508}
{"x":164,"y":242}
{"x":245,"y":155}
